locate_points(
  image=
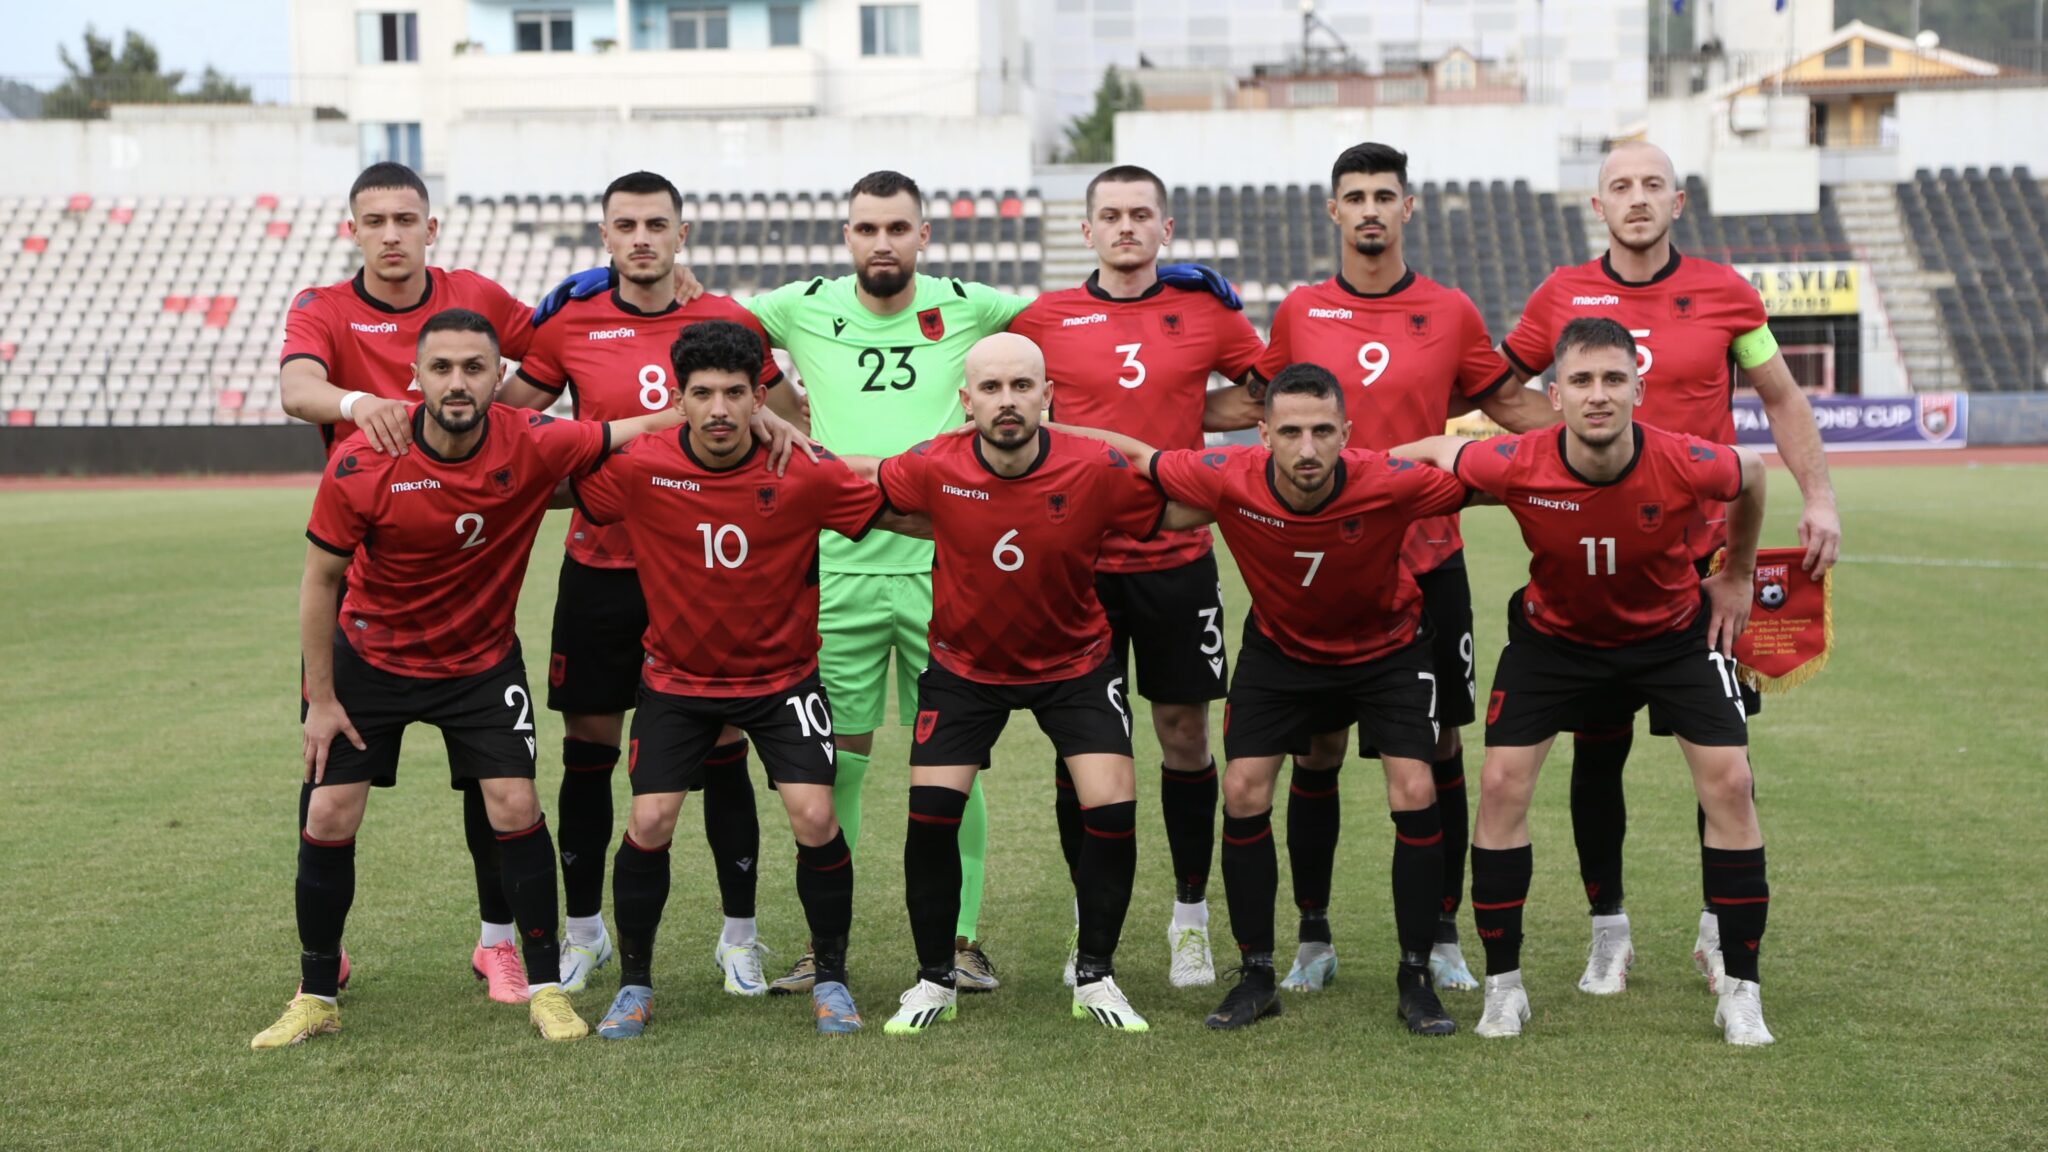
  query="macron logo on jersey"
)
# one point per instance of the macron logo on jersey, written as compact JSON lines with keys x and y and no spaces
{"x":613,"y":334}
{"x":1560,"y":505}
{"x":678,"y":485}
{"x":1261,"y":517}
{"x":415,"y":485}
{"x":375,"y":329}
{"x":1329,"y":313}
{"x":1607,"y":301}
{"x":969,"y":493}
{"x":1091,"y":318}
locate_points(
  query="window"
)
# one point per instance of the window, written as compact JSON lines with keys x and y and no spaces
{"x":387,"y":37}
{"x":785,"y":26}
{"x":888,"y":30}
{"x":693,"y":29}
{"x":1876,"y":55}
{"x":1457,"y":74}
{"x":1836,"y":58}
{"x":400,"y":142}
{"x":544,"y":31}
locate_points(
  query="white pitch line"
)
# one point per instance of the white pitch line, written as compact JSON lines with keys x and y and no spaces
{"x":1950,"y":562}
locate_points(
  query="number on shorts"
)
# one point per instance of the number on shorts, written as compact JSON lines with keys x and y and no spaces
{"x":1435,"y":729}
{"x":715,"y":550}
{"x":517,"y":693}
{"x":1007,"y":555}
{"x":1374,"y":357}
{"x":1116,"y":701}
{"x":811,"y":715}
{"x":654,"y":388}
{"x":473,"y":524}
{"x":1130,"y":352}
{"x":1315,"y":561}
{"x":1730,"y":686}
{"x":1465,"y":650}
{"x":1214,"y":642}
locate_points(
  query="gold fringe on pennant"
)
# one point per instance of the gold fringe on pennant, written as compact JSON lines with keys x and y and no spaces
{"x":1806,"y":671}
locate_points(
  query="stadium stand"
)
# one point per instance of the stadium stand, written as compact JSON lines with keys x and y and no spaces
{"x":1736,"y":239}
{"x":171,"y":310}
{"x":1990,"y":230}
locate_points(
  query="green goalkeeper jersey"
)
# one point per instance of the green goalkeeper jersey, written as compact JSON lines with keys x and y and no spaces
{"x":880,"y":384}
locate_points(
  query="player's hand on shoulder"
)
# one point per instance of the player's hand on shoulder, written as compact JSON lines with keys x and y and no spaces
{"x":688,"y":287}
{"x":325,"y":719}
{"x":385,"y":423}
{"x":783,"y":439}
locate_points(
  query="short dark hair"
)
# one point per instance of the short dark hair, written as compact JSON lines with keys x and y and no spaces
{"x":1370,"y":160}
{"x":1127,"y":174}
{"x":641,"y":184}
{"x":456,"y":320}
{"x":715,"y":346}
{"x":1593,"y":332}
{"x":387,"y":174}
{"x":885,"y":184}
{"x":1305,"y":379}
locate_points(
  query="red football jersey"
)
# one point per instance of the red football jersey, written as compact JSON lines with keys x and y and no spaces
{"x":1013,"y":585}
{"x":1612,"y":562}
{"x":1328,"y":586}
{"x":444,"y":543}
{"x":1684,"y":319}
{"x":1402,"y":354}
{"x":728,"y":558}
{"x":368,"y":346}
{"x":614,"y":360}
{"x":1140,"y":367}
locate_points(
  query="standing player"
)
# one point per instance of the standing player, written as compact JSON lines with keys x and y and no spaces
{"x":1405,"y":348}
{"x":1020,"y":513}
{"x":1693,"y":321}
{"x":1614,"y":610}
{"x":347,"y":364}
{"x":727,"y":549}
{"x":1337,"y":630}
{"x":611,"y":351}
{"x":426,"y":633}
{"x":1133,"y":357}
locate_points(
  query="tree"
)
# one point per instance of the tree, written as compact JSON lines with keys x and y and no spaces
{"x":1091,"y":139}
{"x":134,"y":76}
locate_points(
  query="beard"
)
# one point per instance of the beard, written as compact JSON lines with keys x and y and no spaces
{"x":1371,"y":247}
{"x":1643,"y":245}
{"x":885,"y":283}
{"x":456,"y":425}
{"x":655,"y":275}
{"x":1310,"y":485}
{"x":1009,"y":437}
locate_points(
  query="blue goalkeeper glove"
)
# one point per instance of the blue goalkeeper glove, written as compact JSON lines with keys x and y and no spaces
{"x":579,"y":286}
{"x":1201,"y":278}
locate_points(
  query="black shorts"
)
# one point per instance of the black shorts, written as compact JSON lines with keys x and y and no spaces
{"x":790,"y":729}
{"x":1544,"y":685}
{"x":486,"y":720}
{"x":594,"y":654}
{"x":1447,"y":601}
{"x":1277,"y":702}
{"x":959,"y":720}
{"x":1174,"y":619}
{"x":1621,"y":714}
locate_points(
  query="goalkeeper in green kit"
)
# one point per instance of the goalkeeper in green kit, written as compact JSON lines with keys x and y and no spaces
{"x":881,"y":355}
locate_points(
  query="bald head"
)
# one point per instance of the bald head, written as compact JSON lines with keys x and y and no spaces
{"x":1638,"y":198}
{"x":1005,"y":392}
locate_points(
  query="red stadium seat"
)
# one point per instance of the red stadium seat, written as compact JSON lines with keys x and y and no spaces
{"x":231,"y":400}
{"x":35,"y":243}
{"x":120,"y":215}
{"x":7,"y":350}
{"x":341,"y":229}
{"x":963,"y":208}
{"x":1011,"y":208}
{"x":78,"y":203}
{"x":177,"y":303}
{"x":278,"y":229}
{"x":267,"y":202}
{"x":20,"y":417}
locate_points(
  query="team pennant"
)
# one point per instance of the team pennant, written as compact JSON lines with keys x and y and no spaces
{"x":1791,"y":623}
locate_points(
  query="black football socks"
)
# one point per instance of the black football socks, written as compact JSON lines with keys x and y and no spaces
{"x":586,"y":817}
{"x":1109,"y":865}
{"x":1600,"y":812}
{"x":931,"y":877}
{"x":527,"y":861}
{"x":1251,"y":880}
{"x":1741,"y":898}
{"x":1187,"y":801}
{"x":1500,"y":886}
{"x":732,"y":828}
{"x":640,"y":883}
{"x":325,"y":890}
{"x":824,"y":883}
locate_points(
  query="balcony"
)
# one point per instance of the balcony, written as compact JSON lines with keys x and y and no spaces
{"x":638,"y":85}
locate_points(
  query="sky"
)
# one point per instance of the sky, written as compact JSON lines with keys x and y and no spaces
{"x":239,"y":37}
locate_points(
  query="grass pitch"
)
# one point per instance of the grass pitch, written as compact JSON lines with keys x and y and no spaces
{"x":148,"y":775}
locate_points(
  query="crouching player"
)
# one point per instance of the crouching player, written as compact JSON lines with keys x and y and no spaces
{"x":728,"y":554}
{"x":1614,"y":610}
{"x":426,"y":633}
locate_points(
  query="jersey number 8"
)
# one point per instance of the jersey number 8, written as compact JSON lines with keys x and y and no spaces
{"x":654,"y":395}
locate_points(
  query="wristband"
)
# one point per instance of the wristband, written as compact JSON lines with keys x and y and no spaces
{"x":348,"y":405}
